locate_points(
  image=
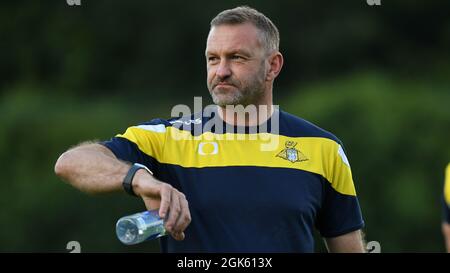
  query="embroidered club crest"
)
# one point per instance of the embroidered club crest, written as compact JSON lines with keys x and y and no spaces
{"x":291,"y":153}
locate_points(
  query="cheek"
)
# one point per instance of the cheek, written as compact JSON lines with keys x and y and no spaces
{"x":246,"y":74}
{"x":209,"y":75}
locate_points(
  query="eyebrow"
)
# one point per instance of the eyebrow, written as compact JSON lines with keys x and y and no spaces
{"x":232,"y":52}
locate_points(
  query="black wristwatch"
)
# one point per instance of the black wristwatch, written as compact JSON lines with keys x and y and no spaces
{"x":127,"y":181}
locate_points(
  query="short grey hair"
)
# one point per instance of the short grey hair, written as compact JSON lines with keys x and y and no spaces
{"x":245,"y":14}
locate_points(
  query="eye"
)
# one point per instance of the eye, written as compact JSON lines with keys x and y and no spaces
{"x":237,"y":57}
{"x":212,"y":59}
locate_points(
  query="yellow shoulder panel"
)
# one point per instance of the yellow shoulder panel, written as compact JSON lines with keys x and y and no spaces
{"x":318,"y":155}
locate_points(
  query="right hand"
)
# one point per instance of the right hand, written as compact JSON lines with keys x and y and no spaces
{"x":172,"y":204}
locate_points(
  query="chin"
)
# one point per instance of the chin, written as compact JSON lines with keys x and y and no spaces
{"x":225,"y":98}
{"x":222,"y":102}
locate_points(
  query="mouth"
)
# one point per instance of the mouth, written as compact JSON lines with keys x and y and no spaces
{"x":224,"y":85}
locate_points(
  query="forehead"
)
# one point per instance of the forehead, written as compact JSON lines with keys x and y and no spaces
{"x":233,"y":38}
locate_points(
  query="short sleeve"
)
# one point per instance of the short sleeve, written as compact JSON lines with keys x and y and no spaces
{"x":142,"y":144}
{"x":445,"y":211}
{"x":446,"y":197}
{"x":340,"y":212}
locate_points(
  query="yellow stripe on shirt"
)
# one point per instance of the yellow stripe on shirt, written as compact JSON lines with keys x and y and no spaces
{"x":447,"y":185}
{"x":318,"y":155}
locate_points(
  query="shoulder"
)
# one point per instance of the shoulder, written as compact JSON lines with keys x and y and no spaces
{"x":294,"y":126}
{"x":160,"y":125}
{"x":174,"y":121}
{"x":156,"y":121}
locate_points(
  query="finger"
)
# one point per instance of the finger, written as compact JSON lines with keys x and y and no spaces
{"x":166,"y":196}
{"x":185,"y":216}
{"x":174,"y":211}
{"x":178,"y":236}
{"x":152,"y":204}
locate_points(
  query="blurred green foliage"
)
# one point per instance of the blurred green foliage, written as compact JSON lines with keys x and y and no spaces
{"x":377,"y":77}
{"x":396,"y":135}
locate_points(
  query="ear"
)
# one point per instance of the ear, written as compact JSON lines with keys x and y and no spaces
{"x":275,"y":62}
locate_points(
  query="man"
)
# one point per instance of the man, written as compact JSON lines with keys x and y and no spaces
{"x":446,"y":209}
{"x":242,"y":198}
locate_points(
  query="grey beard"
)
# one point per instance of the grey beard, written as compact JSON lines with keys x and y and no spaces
{"x":241,"y":98}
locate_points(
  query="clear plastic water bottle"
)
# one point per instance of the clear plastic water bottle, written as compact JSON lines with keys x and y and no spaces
{"x":139,"y":227}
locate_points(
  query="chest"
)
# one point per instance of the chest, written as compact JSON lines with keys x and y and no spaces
{"x":250,"y":189}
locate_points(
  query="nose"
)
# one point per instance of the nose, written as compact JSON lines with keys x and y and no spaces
{"x":223,"y":70}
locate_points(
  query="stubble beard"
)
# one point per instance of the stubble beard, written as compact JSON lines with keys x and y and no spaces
{"x":241,"y":93}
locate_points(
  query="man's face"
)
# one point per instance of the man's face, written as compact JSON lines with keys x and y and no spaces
{"x":235,"y":65}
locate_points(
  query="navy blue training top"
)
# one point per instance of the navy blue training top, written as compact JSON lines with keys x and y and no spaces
{"x":250,"y":189}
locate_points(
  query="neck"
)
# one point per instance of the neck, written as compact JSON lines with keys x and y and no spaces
{"x":251,"y":115}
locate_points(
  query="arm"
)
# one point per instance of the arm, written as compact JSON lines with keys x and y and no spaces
{"x":348,"y":243}
{"x":446,"y":233}
{"x":93,"y":168}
